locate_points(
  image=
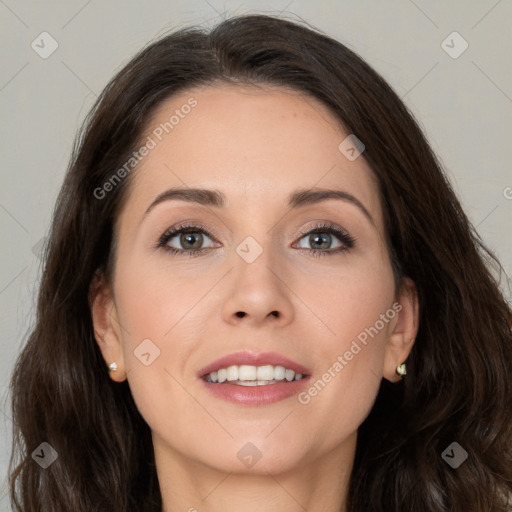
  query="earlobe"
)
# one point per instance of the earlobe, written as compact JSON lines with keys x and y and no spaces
{"x":106,"y":327}
{"x":401,"y":339}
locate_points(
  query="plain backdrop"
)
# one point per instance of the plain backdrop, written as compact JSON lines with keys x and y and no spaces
{"x":462,"y":99}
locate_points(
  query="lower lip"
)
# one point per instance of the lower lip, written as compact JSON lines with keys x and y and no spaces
{"x":256,"y":395}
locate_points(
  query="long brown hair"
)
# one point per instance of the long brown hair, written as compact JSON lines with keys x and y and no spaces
{"x":458,"y":384}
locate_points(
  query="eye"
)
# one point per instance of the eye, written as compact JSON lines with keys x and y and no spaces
{"x":189,"y":238}
{"x":321,"y":238}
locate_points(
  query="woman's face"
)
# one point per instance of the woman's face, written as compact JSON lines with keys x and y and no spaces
{"x":281,"y":270}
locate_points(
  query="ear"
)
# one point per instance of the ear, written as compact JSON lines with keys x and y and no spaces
{"x":106,"y":325}
{"x":401,"y":339}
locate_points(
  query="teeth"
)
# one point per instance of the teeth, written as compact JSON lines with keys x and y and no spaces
{"x":232,"y":373}
{"x":289,"y":375}
{"x":280,"y":372}
{"x":246,"y":375}
{"x":265,"y":372}
{"x":246,"y":372}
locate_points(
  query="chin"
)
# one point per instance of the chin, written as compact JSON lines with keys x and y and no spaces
{"x":255,"y":457}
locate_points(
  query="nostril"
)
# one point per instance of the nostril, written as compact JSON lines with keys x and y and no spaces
{"x":240,"y":314}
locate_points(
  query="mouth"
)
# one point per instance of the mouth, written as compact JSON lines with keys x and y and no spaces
{"x":252,"y":378}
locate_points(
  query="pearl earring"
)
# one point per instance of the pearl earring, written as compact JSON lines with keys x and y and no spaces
{"x":401,"y":370}
{"x":112,"y":367}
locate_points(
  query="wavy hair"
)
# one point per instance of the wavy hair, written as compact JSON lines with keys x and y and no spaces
{"x":458,"y":383}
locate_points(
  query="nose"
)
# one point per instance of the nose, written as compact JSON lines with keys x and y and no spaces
{"x":260,"y":292}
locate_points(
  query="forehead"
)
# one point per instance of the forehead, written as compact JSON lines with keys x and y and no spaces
{"x":255,"y":144}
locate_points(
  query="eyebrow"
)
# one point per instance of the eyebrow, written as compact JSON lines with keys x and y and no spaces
{"x":301,"y":197}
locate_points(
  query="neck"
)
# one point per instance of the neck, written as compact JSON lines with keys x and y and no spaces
{"x":315,"y":485}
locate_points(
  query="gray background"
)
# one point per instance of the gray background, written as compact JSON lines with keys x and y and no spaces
{"x":464,"y":105}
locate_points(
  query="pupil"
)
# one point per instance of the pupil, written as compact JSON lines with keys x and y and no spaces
{"x":324,"y":239}
{"x":188,"y":238}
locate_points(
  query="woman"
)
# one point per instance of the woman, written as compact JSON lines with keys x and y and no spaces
{"x":331,"y":339}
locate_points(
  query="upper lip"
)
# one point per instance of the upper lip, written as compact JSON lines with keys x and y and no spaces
{"x":254,"y":359}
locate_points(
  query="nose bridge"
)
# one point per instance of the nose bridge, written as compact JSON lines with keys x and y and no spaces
{"x":255,"y":233}
{"x":258,"y":289}
{"x":254,"y":260}
{"x":258,"y":251}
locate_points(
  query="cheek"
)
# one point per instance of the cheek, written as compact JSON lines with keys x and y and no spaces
{"x":160,"y":326}
{"x":343,"y":391}
{"x":153,"y":300}
{"x":155,"y":346}
{"x":357,"y":318}
{"x":349,"y":300}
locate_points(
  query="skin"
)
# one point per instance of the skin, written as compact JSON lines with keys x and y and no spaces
{"x":256,"y":146}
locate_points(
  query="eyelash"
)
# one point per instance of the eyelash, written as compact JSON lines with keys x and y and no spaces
{"x":347,"y":240}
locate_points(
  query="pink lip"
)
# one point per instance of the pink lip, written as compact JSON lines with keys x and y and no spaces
{"x":254,"y":359}
{"x":256,"y":395}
